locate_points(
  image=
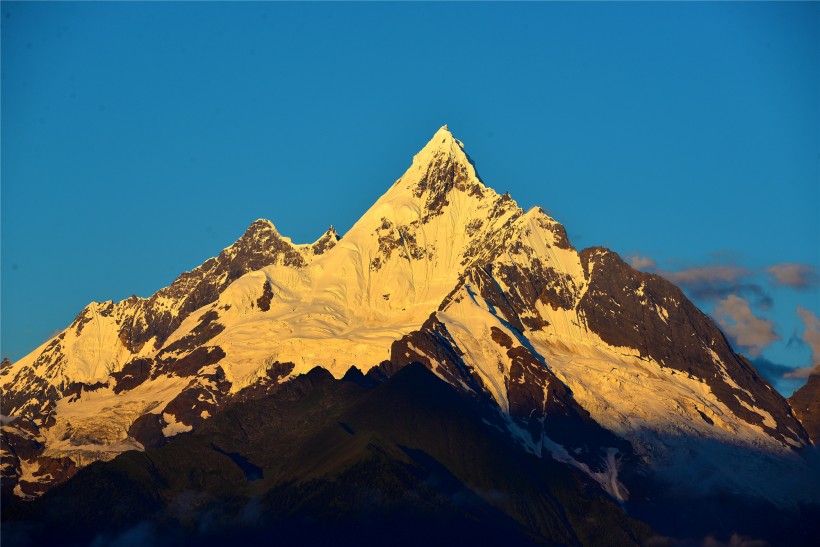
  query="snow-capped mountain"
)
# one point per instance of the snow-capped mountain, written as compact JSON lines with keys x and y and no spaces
{"x":587,"y":360}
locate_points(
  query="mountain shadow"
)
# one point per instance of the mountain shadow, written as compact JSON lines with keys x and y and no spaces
{"x":322,"y":461}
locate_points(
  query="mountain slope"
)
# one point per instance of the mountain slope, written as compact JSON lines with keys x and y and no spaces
{"x":636,"y":355}
{"x":104,"y":336}
{"x":103,"y":344}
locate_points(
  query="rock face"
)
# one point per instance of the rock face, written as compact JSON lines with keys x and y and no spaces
{"x":806,"y":404}
{"x":665,"y":327}
{"x":583,"y":359}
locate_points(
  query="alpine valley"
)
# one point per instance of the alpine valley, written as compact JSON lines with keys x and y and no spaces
{"x":451,"y":369}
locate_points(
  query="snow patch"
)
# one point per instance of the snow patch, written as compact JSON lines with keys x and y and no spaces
{"x":174,"y":427}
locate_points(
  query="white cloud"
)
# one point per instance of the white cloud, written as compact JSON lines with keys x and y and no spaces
{"x":642,"y":262}
{"x":811,"y":335}
{"x":747,"y":330}
{"x":800,"y":373}
{"x":794,"y":275}
{"x":707,"y":274}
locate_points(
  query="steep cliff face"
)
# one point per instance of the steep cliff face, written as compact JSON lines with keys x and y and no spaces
{"x":806,"y":405}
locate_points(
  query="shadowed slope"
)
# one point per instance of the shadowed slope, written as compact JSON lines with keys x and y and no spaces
{"x":407,"y":461}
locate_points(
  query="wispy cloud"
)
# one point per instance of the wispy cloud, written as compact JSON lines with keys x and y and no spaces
{"x":738,"y":321}
{"x":735,"y":290}
{"x":773,"y":372}
{"x":784,"y":378}
{"x":800,"y":373}
{"x":794,"y":275}
{"x":718,"y":282}
{"x":714,"y":282}
{"x":641,"y":263}
{"x":703,"y":275}
{"x":811,"y":332}
{"x":713,"y":291}
{"x":710,"y":283}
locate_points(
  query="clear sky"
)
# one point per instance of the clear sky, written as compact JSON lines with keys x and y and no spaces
{"x":139,"y":139}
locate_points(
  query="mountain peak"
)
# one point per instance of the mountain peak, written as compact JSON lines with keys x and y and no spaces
{"x":440,"y":166}
{"x":444,"y":131}
{"x":326,"y":242}
{"x":330,"y":234}
{"x":260,"y":225}
{"x":443,"y":142}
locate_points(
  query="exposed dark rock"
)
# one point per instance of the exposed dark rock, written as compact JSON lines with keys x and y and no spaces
{"x":326,"y":242}
{"x":525,"y":285}
{"x":494,"y":244}
{"x":528,"y":391}
{"x":192,"y":363}
{"x":533,"y":282}
{"x":21,"y":441}
{"x":50,"y":472}
{"x":132,"y":374}
{"x":625,"y":307}
{"x":389,"y":241}
{"x":275,"y":373}
{"x":34,"y":395}
{"x":473,"y":227}
{"x":482,"y":280}
{"x":545,"y":407}
{"x":54,"y":470}
{"x":206,"y":395}
{"x":205,"y":331}
{"x":74,"y":390}
{"x":140,"y":320}
{"x":442,"y":175}
{"x":10,"y":472}
{"x":79,"y":322}
{"x":538,"y":401}
{"x":559,"y":233}
{"x":401,"y":239}
{"x":108,"y":310}
{"x":188,"y":407}
{"x":433,"y":346}
{"x":260,"y":246}
{"x":267,"y":295}
{"x":147,"y":430}
{"x":500,"y":338}
{"x":806,"y":405}
{"x":706,"y":418}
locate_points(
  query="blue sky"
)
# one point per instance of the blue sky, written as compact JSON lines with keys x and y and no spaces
{"x":139,"y":139}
